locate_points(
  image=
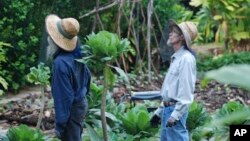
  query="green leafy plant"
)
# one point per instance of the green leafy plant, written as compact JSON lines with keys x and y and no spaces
{"x":103,"y":47}
{"x":136,"y":122}
{"x":94,"y":100}
{"x":101,"y":51}
{"x":3,"y":82}
{"x":24,"y":133}
{"x":15,"y":22}
{"x":94,"y":96}
{"x":211,"y":63}
{"x":197,"y":116}
{"x":231,"y":113}
{"x":40,"y":76}
{"x":229,"y":18}
{"x":113,"y":111}
{"x":230,"y":108}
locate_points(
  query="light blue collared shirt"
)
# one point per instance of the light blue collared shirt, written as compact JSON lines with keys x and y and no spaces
{"x":179,"y":82}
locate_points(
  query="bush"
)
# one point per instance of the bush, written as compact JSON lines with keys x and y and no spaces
{"x":211,"y":63}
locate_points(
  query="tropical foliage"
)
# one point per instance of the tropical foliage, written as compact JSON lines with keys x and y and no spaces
{"x":232,"y":113}
{"x":136,"y":122}
{"x":228,"y":17}
{"x":102,"y":49}
{"x":214,"y":62}
{"x":3,"y":82}
{"x":39,"y":75}
{"x":25,"y":133}
{"x":197,"y":116}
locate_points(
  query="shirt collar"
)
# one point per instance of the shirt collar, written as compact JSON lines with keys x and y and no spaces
{"x":178,"y":53}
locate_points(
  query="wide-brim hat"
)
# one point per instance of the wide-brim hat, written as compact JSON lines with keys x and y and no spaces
{"x":63,"y":31}
{"x":188,"y":29}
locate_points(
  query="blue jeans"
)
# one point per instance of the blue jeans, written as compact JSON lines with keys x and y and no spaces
{"x":73,"y":130}
{"x":177,"y":132}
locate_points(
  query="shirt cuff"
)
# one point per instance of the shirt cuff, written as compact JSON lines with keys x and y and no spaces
{"x":159,"y":110}
{"x":176,"y":115}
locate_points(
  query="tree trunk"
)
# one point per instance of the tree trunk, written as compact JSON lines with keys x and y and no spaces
{"x":103,"y":105}
{"x":226,"y":37}
{"x":118,"y":30}
{"x":40,"y":116}
{"x":97,"y":16}
{"x":149,"y":13}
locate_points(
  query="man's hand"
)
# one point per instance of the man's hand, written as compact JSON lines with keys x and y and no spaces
{"x":171,"y":122}
{"x":155,"y":120}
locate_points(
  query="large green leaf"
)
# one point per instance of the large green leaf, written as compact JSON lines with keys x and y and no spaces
{"x":235,"y":74}
{"x":129,"y":122}
{"x":143,"y":121}
{"x":108,"y":115}
{"x":92,"y":133}
{"x":121,"y":73}
{"x":3,"y":83}
{"x":195,"y":3}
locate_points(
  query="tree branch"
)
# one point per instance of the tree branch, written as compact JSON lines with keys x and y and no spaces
{"x":100,"y":9}
{"x":149,"y":13}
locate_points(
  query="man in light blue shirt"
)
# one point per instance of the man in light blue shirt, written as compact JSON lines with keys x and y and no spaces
{"x":179,"y":84}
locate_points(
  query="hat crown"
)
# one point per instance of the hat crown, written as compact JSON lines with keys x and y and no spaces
{"x":189,"y":28}
{"x":71,"y":26}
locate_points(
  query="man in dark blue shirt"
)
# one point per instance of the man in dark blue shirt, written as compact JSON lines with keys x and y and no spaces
{"x":70,"y":79}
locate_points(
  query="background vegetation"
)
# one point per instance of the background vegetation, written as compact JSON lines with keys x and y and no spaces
{"x":22,"y":26}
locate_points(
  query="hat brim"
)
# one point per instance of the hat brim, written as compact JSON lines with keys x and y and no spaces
{"x":171,"y":24}
{"x":58,"y":38}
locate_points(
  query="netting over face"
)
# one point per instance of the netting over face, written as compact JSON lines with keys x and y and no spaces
{"x":166,"y":51}
{"x":43,"y":47}
{"x":48,"y":49}
{"x":51,"y":48}
{"x":176,"y":30}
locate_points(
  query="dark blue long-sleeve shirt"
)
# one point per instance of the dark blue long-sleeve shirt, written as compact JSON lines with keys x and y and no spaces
{"x":70,"y":84}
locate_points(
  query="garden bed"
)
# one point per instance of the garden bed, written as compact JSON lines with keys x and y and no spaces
{"x":25,"y":109}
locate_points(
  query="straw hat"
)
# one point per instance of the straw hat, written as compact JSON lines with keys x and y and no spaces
{"x":188,"y":29}
{"x":63,"y":31}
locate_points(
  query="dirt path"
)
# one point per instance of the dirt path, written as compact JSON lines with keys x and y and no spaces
{"x":24,"y":93}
